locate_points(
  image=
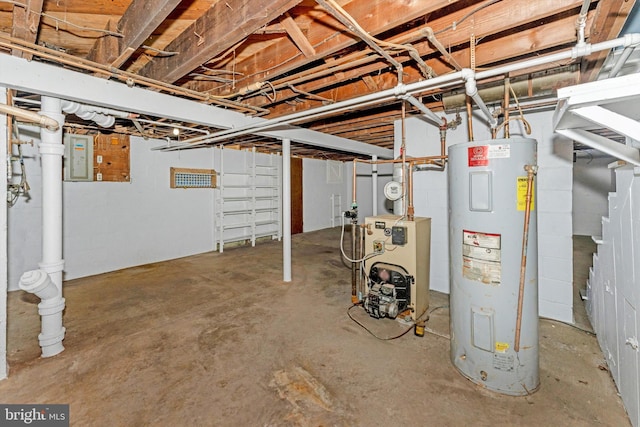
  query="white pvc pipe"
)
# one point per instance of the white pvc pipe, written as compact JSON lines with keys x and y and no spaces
{"x":399,"y":91}
{"x":472,"y":90}
{"x":51,"y":151}
{"x":30,"y":116}
{"x":374,"y":184}
{"x":286,"y":210}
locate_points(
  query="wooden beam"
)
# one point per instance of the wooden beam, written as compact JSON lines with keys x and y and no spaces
{"x":140,"y":19}
{"x":212,"y":33}
{"x":489,"y":21}
{"x":538,"y":38}
{"x":297,"y":36}
{"x":329,"y":36}
{"x":26,"y":22}
{"x":609,"y":20}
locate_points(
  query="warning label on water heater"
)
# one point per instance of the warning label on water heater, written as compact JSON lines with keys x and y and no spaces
{"x":481,"y":257}
{"x":481,"y":154}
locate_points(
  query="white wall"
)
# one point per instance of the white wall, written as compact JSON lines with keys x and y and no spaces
{"x":109,"y":226}
{"x":555,"y":251}
{"x":3,"y":244}
{"x":364,"y":188}
{"x":592,"y":182}
{"x":316,"y":194}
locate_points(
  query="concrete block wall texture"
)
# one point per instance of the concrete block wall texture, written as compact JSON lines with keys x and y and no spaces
{"x":109,"y":226}
{"x":592,"y":182}
{"x":553,"y":205}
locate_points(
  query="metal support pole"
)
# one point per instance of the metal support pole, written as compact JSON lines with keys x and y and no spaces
{"x":286,"y":210}
{"x":374,"y":184}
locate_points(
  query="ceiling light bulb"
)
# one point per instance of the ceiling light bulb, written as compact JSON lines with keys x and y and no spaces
{"x":176,"y":131}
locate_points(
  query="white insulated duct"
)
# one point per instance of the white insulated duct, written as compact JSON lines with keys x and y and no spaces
{"x":104,"y":117}
{"x":47,"y":282}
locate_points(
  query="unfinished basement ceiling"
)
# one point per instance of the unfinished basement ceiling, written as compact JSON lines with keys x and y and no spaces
{"x":274,"y":57}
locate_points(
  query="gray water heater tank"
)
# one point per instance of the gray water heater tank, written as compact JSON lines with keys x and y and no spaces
{"x":487,"y":191}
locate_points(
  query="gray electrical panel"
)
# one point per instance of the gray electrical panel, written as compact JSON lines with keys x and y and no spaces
{"x":78,"y":157}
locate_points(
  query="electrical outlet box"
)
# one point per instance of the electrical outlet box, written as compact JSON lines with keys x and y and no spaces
{"x":399,"y":235}
{"x":98,"y":176}
{"x":378,"y":246}
{"x":78,"y":157}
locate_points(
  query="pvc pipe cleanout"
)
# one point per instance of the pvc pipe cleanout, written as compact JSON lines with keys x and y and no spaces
{"x":51,"y":307}
{"x":30,"y":116}
{"x":39,"y":282}
{"x":286,"y":210}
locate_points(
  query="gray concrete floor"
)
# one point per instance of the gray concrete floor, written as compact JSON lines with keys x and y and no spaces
{"x":218,"y":340}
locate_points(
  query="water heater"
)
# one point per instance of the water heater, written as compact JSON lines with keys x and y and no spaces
{"x":487,"y":200}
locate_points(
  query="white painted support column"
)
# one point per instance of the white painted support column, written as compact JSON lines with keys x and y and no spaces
{"x":3,"y":241}
{"x":374,"y":184}
{"x":51,"y":151}
{"x":286,"y":210}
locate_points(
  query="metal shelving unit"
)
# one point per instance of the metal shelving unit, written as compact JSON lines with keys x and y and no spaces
{"x":248,"y":205}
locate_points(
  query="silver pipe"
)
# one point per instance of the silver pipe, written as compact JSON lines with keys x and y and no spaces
{"x":439,"y":82}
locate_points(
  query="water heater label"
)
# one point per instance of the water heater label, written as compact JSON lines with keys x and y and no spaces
{"x":478,"y":155}
{"x":521,"y":189}
{"x":481,"y":257}
{"x":503,"y":362}
{"x":499,"y":151}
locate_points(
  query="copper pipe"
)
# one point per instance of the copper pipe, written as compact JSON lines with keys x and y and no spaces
{"x":531,"y":171}
{"x":505,"y":108}
{"x":354,"y":265}
{"x":353,"y":185}
{"x":469,"y":118}
{"x":9,"y":125}
{"x":410,"y":210}
{"x":416,"y":160}
{"x":403,"y":155}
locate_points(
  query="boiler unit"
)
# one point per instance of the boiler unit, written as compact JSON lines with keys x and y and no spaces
{"x":494,"y":313}
{"x":397,"y":254}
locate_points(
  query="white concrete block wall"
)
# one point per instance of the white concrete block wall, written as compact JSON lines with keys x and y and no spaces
{"x":24,"y":219}
{"x":592,"y":182}
{"x":364,"y":184}
{"x":554,"y":210}
{"x":555,"y":229}
{"x":109,"y":226}
{"x":316,"y":194}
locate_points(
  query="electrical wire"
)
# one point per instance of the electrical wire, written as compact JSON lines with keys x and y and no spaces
{"x":371,"y":332}
{"x":454,"y":25}
{"x":63,"y":21}
{"x":366,"y":257}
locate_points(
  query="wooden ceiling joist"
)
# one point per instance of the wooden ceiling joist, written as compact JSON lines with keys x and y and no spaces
{"x":329,"y":37}
{"x":223,"y":25}
{"x":140,"y":19}
{"x":607,"y":24}
{"x":297,"y":36}
{"x":26,"y":24}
